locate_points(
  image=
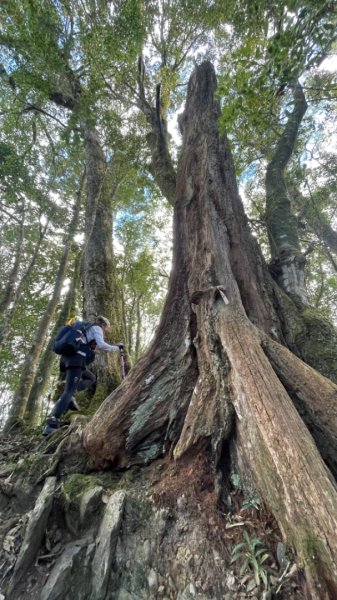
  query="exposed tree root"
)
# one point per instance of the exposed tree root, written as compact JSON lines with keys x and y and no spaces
{"x":314,"y":396}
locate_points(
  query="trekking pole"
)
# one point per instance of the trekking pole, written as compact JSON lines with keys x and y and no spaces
{"x":121,"y":348}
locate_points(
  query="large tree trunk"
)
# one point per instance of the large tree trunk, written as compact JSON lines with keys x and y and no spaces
{"x":210,"y":372}
{"x":287,"y":262}
{"x":101,"y":293}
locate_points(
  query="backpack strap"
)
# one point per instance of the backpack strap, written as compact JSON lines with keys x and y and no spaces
{"x":85,"y":328}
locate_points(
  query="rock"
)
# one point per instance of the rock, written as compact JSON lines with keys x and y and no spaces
{"x":192,"y":589}
{"x":230,"y":581}
{"x":251,"y":585}
{"x":57,"y":585}
{"x":143,"y":553}
{"x":90,"y":503}
{"x":82,"y":499}
{"x":124,"y":595}
{"x":34,"y":533}
{"x":152,"y":580}
{"x":160,"y":520}
{"x":281,"y":555}
{"x":190,"y":593}
{"x":147,"y":552}
{"x":106,"y":544}
{"x":182,"y":502}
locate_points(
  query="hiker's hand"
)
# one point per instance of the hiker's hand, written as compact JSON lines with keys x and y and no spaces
{"x":120,"y":346}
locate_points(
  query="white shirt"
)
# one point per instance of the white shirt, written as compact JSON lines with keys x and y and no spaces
{"x":95,"y":332}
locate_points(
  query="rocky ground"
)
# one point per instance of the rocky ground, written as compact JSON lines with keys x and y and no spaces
{"x":160,"y":532}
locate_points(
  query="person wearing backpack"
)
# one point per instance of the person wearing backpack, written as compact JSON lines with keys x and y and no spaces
{"x":76,"y":344}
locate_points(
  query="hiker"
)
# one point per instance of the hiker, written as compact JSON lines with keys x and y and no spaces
{"x":78,"y":377}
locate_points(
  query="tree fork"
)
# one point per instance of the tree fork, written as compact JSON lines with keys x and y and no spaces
{"x":162,"y":167}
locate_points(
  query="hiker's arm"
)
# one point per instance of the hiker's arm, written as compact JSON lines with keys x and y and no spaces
{"x":101,"y":344}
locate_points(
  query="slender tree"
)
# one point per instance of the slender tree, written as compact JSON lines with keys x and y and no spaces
{"x":32,"y":359}
{"x":47,"y":361}
{"x":9,"y":292}
{"x":18,"y":286}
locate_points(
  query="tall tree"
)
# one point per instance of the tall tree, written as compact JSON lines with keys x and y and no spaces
{"x":71,"y":37}
{"x":209,"y":367}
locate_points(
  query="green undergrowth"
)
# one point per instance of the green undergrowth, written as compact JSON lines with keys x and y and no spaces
{"x":77,"y":484}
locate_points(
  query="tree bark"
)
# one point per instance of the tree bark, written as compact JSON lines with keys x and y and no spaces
{"x":101,"y":293}
{"x":287,"y":262}
{"x":313,"y":395}
{"x":207,"y":375}
{"x":30,"y":365}
{"x":138,"y":325}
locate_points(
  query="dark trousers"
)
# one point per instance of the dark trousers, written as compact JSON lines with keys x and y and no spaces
{"x":88,"y":379}
{"x":77,"y":379}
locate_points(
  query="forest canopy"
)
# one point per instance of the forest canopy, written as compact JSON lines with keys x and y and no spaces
{"x":121,"y":69}
{"x":172,"y":166}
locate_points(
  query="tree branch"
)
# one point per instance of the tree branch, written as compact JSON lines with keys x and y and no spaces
{"x":37,"y":109}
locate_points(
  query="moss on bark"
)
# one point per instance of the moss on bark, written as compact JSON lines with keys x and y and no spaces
{"x":317,"y":343}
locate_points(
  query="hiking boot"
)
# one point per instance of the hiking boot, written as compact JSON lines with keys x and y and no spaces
{"x":73,"y":404}
{"x":52,"y":424}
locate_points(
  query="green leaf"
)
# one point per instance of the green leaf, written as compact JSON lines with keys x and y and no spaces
{"x":246,"y":536}
{"x":238,"y":547}
{"x":263,"y":576}
{"x":264,"y":558}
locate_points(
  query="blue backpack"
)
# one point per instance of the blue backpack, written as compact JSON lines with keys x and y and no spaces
{"x":72,"y":338}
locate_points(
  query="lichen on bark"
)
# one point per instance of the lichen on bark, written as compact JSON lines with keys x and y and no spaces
{"x":287,"y":261}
